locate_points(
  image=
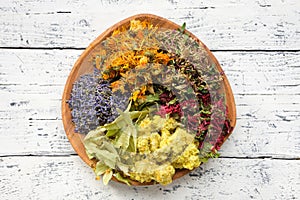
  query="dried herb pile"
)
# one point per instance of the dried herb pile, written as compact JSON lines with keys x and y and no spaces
{"x":155,"y":104}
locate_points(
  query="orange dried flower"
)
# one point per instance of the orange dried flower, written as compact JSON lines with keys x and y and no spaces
{"x":105,"y":76}
{"x":143,"y":60}
{"x":117,"y":85}
{"x":139,"y":94}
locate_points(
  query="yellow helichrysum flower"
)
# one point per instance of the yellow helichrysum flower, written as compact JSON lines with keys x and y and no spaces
{"x":145,"y":123}
{"x":192,"y":163}
{"x":170,"y":124}
{"x":143,"y":144}
{"x":189,"y":159}
{"x":144,"y":128}
{"x":165,"y":134}
{"x":164,"y":174}
{"x":154,"y":141}
{"x":141,"y":177}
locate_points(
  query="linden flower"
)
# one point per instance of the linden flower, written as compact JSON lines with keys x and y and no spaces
{"x":157,"y":122}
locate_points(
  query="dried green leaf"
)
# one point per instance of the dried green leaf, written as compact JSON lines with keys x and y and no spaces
{"x":107,"y":177}
{"x":124,"y":130}
{"x":152,"y":98}
{"x":100,"y":168}
{"x":172,"y":101}
{"x":120,"y":178}
{"x":110,"y":159}
{"x":182,"y":28}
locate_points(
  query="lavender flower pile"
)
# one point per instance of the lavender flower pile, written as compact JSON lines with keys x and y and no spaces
{"x":106,"y":103}
{"x":93,"y":104}
{"x":82,"y":102}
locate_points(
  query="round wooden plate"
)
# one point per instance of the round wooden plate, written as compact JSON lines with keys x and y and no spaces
{"x":82,"y":66}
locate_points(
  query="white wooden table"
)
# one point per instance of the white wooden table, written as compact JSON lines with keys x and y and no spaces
{"x":257,"y":44}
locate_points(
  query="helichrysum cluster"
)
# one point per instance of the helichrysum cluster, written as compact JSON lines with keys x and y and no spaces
{"x":161,"y":133}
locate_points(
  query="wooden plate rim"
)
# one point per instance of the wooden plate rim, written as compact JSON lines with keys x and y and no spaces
{"x":76,"y":139}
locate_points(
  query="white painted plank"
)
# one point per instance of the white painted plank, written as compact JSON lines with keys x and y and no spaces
{"x":261,"y":130}
{"x":249,"y":72}
{"x":262,"y":73}
{"x":219,"y":24}
{"x":69,"y":178}
{"x":32,"y":83}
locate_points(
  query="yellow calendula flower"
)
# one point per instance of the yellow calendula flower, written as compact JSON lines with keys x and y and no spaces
{"x":162,"y":58}
{"x":165,"y":134}
{"x":139,"y":94}
{"x":105,"y":76}
{"x":118,"y":31}
{"x":143,"y":60}
{"x":117,"y":85}
{"x":135,"y":95}
{"x":139,"y":25}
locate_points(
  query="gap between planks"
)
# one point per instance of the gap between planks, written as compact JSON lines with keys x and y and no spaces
{"x":213,"y":50}
{"x":221,"y":157}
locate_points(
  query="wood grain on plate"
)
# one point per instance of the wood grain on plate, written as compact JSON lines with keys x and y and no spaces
{"x":81,"y":67}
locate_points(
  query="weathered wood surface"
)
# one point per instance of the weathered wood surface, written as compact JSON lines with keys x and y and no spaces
{"x":221,"y":25}
{"x":259,"y":161}
{"x":69,"y":178}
